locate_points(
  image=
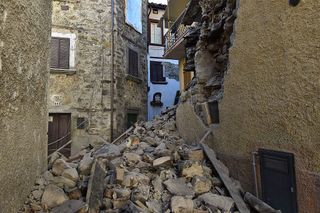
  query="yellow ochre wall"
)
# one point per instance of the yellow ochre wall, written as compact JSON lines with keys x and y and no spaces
{"x":272,"y":92}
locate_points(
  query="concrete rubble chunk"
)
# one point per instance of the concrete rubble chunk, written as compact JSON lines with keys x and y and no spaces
{"x":48,"y":176}
{"x":157,"y":184}
{"x":132,"y":179}
{"x":85,"y":164}
{"x":119,"y":175}
{"x":154,"y":206}
{"x":181,"y":205}
{"x":108,"y":151}
{"x":196,"y":155}
{"x":132,"y":157}
{"x":53,"y":196}
{"x":133,"y":141}
{"x":179,"y":187}
{"x":63,"y":182}
{"x":201,"y":184}
{"x":141,"y":193}
{"x":70,"y":206}
{"x":71,"y":174}
{"x":59,"y":166}
{"x":191,"y":169}
{"x":221,"y":202}
{"x":162,"y":162}
{"x":195,"y":130}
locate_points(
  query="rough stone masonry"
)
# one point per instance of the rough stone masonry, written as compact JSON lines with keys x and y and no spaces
{"x":85,"y":90}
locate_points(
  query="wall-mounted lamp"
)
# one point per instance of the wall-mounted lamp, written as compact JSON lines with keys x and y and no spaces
{"x":294,"y":2}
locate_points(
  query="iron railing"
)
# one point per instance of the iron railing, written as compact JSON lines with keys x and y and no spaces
{"x":175,"y":34}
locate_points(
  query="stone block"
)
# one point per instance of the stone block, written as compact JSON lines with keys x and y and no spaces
{"x":181,"y":205}
{"x":195,"y":130}
{"x":179,"y":187}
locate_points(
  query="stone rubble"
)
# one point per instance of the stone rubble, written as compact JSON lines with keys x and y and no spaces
{"x":152,"y":170}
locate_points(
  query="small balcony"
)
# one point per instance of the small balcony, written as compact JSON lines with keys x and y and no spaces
{"x":174,"y":39}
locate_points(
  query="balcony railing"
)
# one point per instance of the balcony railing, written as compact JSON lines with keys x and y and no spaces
{"x":175,"y":34}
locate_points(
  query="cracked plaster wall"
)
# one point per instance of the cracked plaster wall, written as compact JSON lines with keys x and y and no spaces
{"x":25,"y":27}
{"x":271,"y":92}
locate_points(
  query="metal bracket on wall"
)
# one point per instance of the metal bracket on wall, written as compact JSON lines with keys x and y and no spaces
{"x":294,"y":2}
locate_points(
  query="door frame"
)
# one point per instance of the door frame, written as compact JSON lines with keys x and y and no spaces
{"x":69,"y":126}
{"x":291,"y":167}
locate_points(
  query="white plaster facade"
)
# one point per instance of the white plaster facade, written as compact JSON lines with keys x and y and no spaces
{"x":169,"y":89}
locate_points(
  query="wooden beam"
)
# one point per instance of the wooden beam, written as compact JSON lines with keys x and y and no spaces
{"x":60,"y":148}
{"x":223,"y":173}
{"x":123,"y":134}
{"x":258,"y":204}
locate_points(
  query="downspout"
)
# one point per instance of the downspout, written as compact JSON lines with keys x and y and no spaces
{"x":254,"y":154}
{"x":112,"y":72}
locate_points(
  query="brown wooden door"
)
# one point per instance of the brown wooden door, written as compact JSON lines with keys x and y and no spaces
{"x":59,"y":133}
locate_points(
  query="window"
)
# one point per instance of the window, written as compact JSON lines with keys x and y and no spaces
{"x":156,"y":72}
{"x":63,"y":52}
{"x":155,"y":33}
{"x":214,"y":111}
{"x":134,"y":14}
{"x":132,"y":118}
{"x":133,"y":63}
{"x":60,"y":53}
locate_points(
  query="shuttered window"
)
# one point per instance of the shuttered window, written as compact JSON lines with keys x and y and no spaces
{"x":156,"y":72}
{"x":60,"y":53}
{"x":133,"y":63}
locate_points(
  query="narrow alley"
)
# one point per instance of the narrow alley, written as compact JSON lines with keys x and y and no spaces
{"x":193,"y":106}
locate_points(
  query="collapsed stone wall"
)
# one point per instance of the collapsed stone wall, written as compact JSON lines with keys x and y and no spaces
{"x":207,"y":53}
{"x":268,"y":99}
{"x":24,"y":44}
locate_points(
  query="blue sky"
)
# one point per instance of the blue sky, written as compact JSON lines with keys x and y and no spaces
{"x":159,"y":1}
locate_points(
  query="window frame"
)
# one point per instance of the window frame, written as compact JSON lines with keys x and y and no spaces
{"x":129,"y":22}
{"x":59,"y":53}
{"x":150,"y":21}
{"x":161,"y":81}
{"x":128,"y":62}
{"x":72,"y":51}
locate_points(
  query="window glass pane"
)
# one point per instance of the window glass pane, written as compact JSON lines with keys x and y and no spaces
{"x":155,"y":34}
{"x":134,"y":14}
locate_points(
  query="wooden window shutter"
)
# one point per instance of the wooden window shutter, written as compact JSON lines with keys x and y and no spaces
{"x":64,"y":53}
{"x":156,"y":72}
{"x":133,"y":63}
{"x":54,"y":60}
{"x":60,"y":53}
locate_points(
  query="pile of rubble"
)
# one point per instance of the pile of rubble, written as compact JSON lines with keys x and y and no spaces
{"x":151,"y":170}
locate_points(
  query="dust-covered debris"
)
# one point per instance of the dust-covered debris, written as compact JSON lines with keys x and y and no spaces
{"x":152,"y":170}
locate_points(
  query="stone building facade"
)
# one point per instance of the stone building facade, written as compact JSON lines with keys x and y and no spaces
{"x":24,"y":63}
{"x":96,"y":90}
{"x":257,"y":88}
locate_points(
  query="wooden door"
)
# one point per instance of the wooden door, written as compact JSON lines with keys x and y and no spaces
{"x":278,"y":180}
{"x":59,"y":133}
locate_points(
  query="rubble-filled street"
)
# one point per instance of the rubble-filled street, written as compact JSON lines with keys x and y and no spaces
{"x":149,"y":169}
{"x":159,"y":106}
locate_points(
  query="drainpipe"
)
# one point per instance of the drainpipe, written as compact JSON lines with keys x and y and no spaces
{"x":112,"y":72}
{"x":254,"y":154}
